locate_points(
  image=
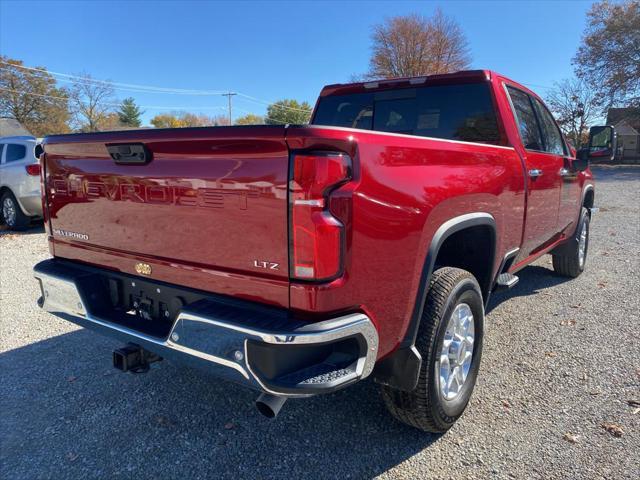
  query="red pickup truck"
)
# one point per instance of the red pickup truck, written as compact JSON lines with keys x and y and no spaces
{"x":298,"y":260}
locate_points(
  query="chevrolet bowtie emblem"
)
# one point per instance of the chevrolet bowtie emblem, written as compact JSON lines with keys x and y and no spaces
{"x":143,"y":268}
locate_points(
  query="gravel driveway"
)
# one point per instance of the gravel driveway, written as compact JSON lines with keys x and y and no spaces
{"x":561,"y":359}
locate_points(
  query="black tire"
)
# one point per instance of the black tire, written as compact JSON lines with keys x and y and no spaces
{"x":567,"y":261}
{"x":19,"y":221}
{"x":426,"y":407}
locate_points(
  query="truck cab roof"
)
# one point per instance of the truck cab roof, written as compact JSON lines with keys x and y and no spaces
{"x":462,"y":76}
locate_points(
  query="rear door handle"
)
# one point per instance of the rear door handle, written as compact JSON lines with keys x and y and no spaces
{"x":564,"y":172}
{"x":534,"y":173}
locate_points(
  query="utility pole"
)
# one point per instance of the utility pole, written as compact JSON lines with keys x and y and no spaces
{"x":229,"y":95}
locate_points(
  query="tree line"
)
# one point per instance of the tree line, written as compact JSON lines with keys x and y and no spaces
{"x":606,"y":74}
{"x":32,"y":96}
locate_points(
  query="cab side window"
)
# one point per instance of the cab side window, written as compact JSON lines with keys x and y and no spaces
{"x":15,"y":152}
{"x":553,"y":142}
{"x":526,"y":119}
{"x":1,"y":150}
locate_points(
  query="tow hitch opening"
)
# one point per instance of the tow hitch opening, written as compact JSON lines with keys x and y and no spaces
{"x":133,"y":358}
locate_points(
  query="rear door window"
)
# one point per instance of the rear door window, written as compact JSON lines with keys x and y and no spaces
{"x":15,"y":152}
{"x":526,"y":118}
{"x":454,"y":112}
{"x":1,"y":151}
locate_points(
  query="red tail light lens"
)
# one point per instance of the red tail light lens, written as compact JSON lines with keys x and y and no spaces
{"x":33,"y":169}
{"x":317,"y":236}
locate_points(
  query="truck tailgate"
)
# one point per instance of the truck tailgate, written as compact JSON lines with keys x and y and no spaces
{"x":209,"y":210}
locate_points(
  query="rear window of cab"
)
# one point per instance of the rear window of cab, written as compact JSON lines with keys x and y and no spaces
{"x":462,"y":112}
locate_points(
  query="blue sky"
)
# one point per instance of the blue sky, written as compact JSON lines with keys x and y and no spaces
{"x":269,"y":50}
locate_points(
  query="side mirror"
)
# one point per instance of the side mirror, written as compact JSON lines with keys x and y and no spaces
{"x":602,"y":142}
{"x":38,"y":150}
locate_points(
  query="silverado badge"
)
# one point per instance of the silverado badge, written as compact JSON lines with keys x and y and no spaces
{"x":143,"y":268}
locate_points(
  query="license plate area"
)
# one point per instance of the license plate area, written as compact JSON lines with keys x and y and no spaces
{"x":151,"y":305}
{"x":144,"y":306}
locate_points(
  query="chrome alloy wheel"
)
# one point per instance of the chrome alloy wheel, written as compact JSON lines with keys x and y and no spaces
{"x":9,"y":212}
{"x":457,"y":351}
{"x":582,"y":245}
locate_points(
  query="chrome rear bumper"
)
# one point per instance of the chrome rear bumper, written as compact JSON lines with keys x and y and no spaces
{"x":273,"y":354}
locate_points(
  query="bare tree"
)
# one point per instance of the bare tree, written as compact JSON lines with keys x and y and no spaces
{"x":412,"y":45}
{"x":91,"y":102}
{"x":449,"y":50}
{"x":609,"y":57}
{"x":575,"y":107}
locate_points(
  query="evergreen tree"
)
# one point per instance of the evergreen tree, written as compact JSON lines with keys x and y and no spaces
{"x":129,"y":113}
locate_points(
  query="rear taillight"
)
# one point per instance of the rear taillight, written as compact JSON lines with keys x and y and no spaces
{"x":316,"y":235}
{"x":33,"y":169}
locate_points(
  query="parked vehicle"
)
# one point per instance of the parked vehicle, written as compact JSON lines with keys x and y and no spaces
{"x":20,"y":197}
{"x":299,"y":260}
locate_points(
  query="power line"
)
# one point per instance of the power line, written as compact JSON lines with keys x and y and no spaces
{"x":65,"y":77}
{"x":91,"y":81}
{"x":20,"y":92}
{"x":142,"y":106}
{"x":538,"y":86}
{"x":122,"y":86}
{"x":267,"y":102}
{"x":151,"y":107}
{"x":263,"y":116}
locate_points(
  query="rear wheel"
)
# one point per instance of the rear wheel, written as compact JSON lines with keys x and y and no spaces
{"x":450,"y":343}
{"x":570,"y":261}
{"x":11,"y":212}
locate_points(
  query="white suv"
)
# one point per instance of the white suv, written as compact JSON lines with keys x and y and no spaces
{"x":19,"y":182}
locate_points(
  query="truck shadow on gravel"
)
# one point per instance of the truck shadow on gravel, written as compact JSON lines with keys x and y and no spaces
{"x":533,"y":279}
{"x":68,"y":414}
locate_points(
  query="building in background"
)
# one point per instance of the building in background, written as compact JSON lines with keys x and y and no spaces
{"x":10,"y":127}
{"x":626,"y":121}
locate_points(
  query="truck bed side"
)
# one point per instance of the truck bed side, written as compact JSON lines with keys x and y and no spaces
{"x":405,"y":188}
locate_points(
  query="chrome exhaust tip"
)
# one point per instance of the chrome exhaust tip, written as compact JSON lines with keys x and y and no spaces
{"x":269,"y":405}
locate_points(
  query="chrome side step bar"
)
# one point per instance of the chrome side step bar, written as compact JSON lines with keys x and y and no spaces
{"x":506,"y":281}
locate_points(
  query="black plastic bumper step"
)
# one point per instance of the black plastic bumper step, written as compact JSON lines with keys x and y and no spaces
{"x":315,"y":375}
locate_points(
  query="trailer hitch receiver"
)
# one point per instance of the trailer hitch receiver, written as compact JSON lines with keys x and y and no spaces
{"x":133,"y":358}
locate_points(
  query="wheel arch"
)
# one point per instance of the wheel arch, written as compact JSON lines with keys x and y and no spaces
{"x":4,"y":189}
{"x":588,"y":196}
{"x":401,"y":368}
